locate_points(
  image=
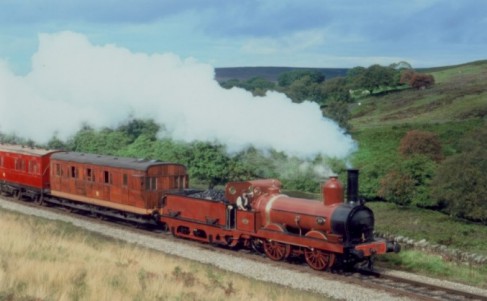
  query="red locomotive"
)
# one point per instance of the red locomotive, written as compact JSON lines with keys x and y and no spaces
{"x":256,"y":214}
{"x":253,"y":214}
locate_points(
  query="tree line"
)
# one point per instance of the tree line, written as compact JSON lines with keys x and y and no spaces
{"x":334,"y":95}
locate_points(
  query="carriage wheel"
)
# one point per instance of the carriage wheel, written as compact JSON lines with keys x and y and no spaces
{"x":38,"y":200}
{"x":276,"y":250}
{"x":319,"y":260}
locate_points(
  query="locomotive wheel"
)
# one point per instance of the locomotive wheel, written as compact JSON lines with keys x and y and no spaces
{"x":319,"y":260}
{"x":257,"y":245}
{"x":276,"y":250}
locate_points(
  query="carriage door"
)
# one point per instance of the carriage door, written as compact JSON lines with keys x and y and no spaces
{"x":107,"y":182}
{"x":57,"y":178}
{"x":124,"y":191}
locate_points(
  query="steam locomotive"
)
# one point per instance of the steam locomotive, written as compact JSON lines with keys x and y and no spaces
{"x":252,"y":214}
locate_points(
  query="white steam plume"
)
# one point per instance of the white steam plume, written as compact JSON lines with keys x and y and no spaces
{"x":73,"y":81}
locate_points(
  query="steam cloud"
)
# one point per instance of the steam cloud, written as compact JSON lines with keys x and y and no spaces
{"x":73,"y":82}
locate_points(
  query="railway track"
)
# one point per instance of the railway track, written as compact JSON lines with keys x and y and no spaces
{"x":382,"y":280}
{"x":415,"y":289}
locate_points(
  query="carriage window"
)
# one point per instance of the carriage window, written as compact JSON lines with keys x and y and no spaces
{"x":19,"y":164}
{"x":74,"y":172}
{"x":58,"y":170}
{"x":151,"y":183}
{"x":107,"y":177}
{"x":33,"y":167}
{"x":90,"y":175}
{"x":178,"y":182}
{"x":125,"y":179}
{"x":182,"y":181}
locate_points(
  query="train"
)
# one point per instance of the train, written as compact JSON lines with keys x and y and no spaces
{"x":334,"y":233}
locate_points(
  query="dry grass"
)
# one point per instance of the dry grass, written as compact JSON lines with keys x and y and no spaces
{"x":45,"y":260}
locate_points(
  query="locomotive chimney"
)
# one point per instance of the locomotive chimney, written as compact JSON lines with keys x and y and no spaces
{"x":352,"y":186}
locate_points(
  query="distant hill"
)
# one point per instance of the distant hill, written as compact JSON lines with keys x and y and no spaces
{"x":269,"y":73}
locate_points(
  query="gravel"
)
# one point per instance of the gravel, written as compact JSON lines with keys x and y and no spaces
{"x":246,"y":267}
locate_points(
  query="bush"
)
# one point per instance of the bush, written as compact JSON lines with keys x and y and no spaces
{"x":422,"y":81}
{"x":417,"y":142}
{"x":417,"y":80}
{"x":461,"y":181}
{"x":397,"y":187}
{"x":409,"y":182}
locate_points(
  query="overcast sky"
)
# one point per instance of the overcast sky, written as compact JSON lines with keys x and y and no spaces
{"x":225,"y":33}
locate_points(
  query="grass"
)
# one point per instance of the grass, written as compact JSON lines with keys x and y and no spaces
{"x":48,"y":260}
{"x":435,"y":266}
{"x":433,"y":226}
{"x":436,"y":228}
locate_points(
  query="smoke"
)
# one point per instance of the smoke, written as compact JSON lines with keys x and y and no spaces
{"x":73,"y":82}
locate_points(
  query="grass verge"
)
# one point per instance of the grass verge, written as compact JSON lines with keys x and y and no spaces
{"x":435,"y":228}
{"x":49,"y":260}
{"x":435,"y":266}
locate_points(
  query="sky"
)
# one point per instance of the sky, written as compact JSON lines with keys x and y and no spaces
{"x":227,"y":33}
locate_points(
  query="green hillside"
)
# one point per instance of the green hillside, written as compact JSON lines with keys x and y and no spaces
{"x":451,"y":109}
{"x":454,"y":109}
{"x":460,"y":94}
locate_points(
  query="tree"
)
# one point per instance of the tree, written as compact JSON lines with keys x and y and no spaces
{"x":287,"y":78}
{"x":356,"y":73}
{"x":230,"y":83}
{"x":105,"y":141}
{"x":55,"y":143}
{"x":301,"y":89}
{"x":408,"y":182}
{"x":133,"y":128}
{"x":460,"y":184}
{"x":416,"y":80}
{"x":209,"y":163}
{"x":257,"y":85}
{"x":417,"y":142}
{"x":339,"y":112}
{"x":422,"y":81}
{"x":406,"y":76}
{"x":373,"y":77}
{"x":402,"y":65}
{"x":397,"y":187}
{"x":377,"y":76}
{"x":336,"y":89}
